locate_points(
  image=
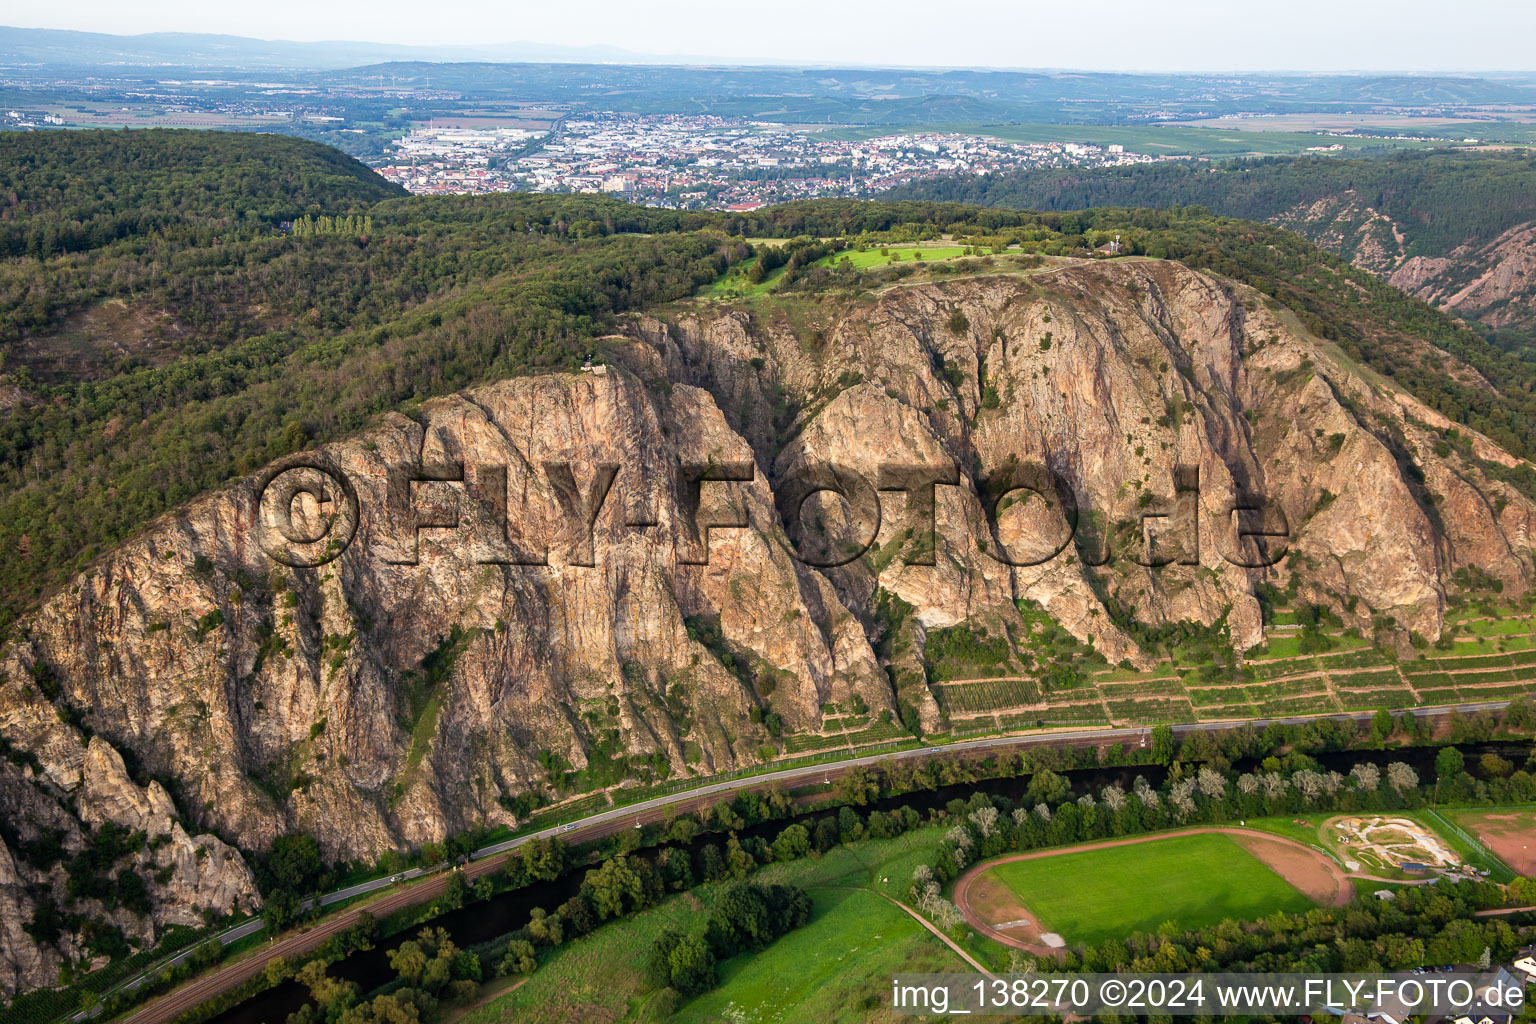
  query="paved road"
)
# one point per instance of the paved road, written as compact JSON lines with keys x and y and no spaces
{"x":378,"y":883}
{"x":614,"y":820}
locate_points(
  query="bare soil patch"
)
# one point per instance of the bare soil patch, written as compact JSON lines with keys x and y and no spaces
{"x":999,"y":907}
{"x":1511,"y":835}
{"x":1312,"y":874}
{"x":1389,"y":842}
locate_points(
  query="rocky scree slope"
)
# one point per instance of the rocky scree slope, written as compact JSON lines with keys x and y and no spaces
{"x":1491,"y":281}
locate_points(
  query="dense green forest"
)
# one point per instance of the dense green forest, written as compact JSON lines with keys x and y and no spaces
{"x":64,"y":192}
{"x":279,"y":294}
{"x":1440,"y":199}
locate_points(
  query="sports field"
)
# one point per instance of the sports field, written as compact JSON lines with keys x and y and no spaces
{"x":1509,"y":832}
{"x":1107,"y":893}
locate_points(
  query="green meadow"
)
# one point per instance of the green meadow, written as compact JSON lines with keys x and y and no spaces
{"x":1192,"y":881}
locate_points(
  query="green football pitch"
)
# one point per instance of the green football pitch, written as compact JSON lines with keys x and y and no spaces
{"x":1193,"y":881}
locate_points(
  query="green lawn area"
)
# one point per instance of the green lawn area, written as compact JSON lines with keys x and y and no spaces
{"x":1193,"y":881}
{"x":1278,"y":647}
{"x":596,"y":977}
{"x":1310,"y":833}
{"x":892,"y":254}
{"x":824,"y":971}
{"x":1500,"y":627}
{"x":734,"y":284}
{"x":853,"y":944}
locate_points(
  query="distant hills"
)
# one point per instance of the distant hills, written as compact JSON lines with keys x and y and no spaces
{"x":1001,"y":93}
{"x":190,"y":49}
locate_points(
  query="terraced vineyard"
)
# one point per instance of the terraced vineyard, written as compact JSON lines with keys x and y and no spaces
{"x":1485,"y":658}
{"x":845,"y":729}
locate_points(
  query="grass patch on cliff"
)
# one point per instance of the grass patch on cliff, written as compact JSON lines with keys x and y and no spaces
{"x":879,"y":257}
{"x":422,"y":693}
{"x":423,"y":731}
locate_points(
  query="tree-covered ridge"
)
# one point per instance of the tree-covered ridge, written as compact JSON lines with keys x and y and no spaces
{"x":274,"y":341}
{"x":1440,"y":200}
{"x":66,"y":192}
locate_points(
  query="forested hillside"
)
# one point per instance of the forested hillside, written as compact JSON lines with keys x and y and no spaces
{"x":1441,"y":200}
{"x":192,"y":339}
{"x":1455,"y":229}
{"x":64,"y":192}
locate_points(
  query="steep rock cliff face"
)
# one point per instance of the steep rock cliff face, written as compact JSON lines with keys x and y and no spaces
{"x":1115,"y":376}
{"x":468,"y":641}
{"x":373,"y":701}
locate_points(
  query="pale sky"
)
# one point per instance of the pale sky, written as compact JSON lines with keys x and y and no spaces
{"x":1171,"y":35}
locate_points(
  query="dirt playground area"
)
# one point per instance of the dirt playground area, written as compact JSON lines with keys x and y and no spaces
{"x":1510,"y":835}
{"x":1380,"y":842}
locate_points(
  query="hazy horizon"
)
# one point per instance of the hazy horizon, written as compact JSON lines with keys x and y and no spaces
{"x":1186,"y":36}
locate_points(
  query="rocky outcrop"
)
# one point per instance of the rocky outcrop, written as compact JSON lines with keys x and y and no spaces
{"x":556,"y":582}
{"x":1493,"y":282}
{"x":23,"y":963}
{"x":183,"y":877}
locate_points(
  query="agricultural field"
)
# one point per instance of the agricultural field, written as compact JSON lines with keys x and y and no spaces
{"x":1092,"y":895}
{"x":1040,"y":677}
{"x":1156,"y":139}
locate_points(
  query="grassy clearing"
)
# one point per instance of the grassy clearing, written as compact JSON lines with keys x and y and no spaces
{"x":1303,"y":830}
{"x":596,"y":977}
{"x":892,"y":254}
{"x":824,"y":971}
{"x":735,"y":284}
{"x":827,"y":970}
{"x":1192,"y":881}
